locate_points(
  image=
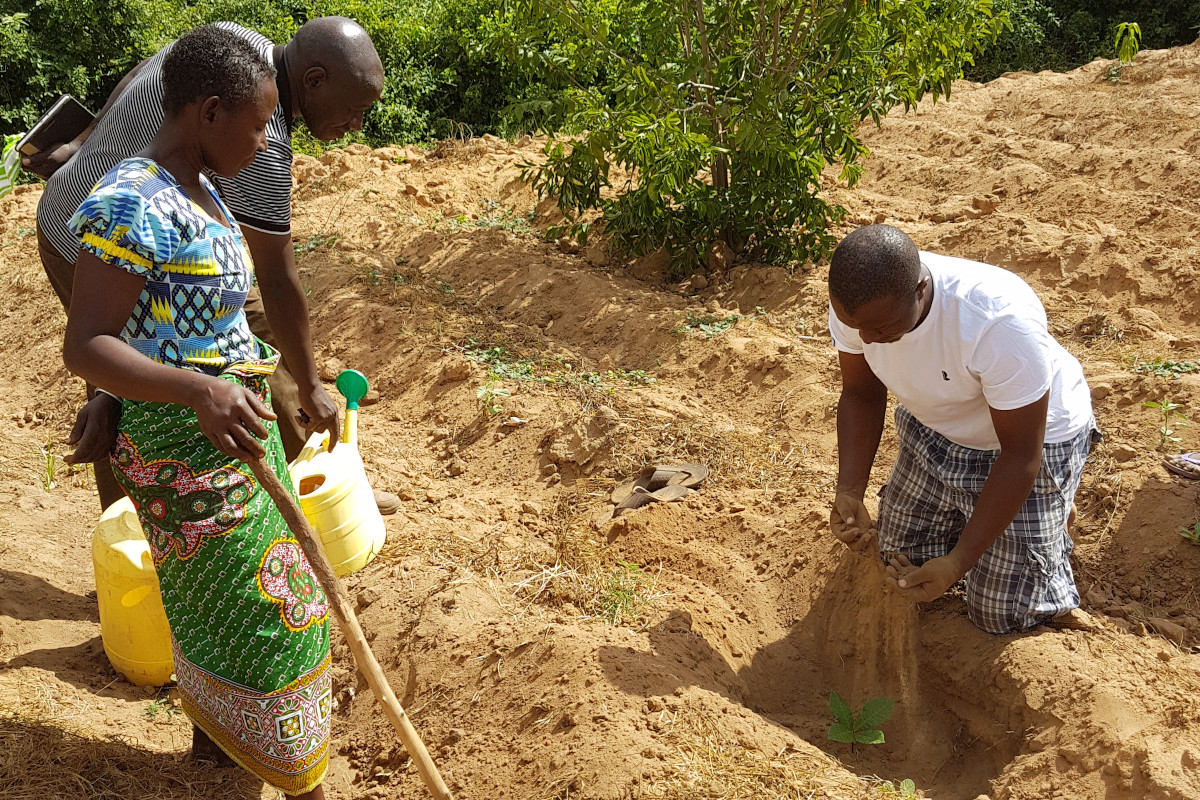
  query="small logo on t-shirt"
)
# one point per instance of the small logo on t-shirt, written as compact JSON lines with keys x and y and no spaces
{"x":945,"y":377}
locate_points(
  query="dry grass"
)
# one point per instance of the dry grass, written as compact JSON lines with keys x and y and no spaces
{"x":41,"y":760}
{"x":738,"y":458}
{"x":708,"y":765}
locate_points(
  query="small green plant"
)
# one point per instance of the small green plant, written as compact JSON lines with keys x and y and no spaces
{"x":500,"y":362}
{"x":907,"y":790}
{"x":625,"y":596}
{"x":709,"y":325}
{"x":858,"y":728}
{"x":489,"y":395}
{"x":492,"y":215}
{"x":445,"y":288}
{"x":312,"y":243}
{"x":1162,"y":368}
{"x":49,"y":471}
{"x":1192,"y":534}
{"x":1172,"y":419}
{"x":160,"y":706}
{"x":1127,"y":42}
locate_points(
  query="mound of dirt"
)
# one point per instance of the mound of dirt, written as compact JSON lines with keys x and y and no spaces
{"x":546,"y":649}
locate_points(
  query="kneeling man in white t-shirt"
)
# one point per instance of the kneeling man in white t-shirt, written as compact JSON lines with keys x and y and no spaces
{"x":994,"y":422}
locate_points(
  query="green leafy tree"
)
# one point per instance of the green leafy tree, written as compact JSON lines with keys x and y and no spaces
{"x":724,"y":114}
{"x":49,"y":47}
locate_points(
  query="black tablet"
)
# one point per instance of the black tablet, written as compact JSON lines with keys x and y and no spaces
{"x":65,"y":120}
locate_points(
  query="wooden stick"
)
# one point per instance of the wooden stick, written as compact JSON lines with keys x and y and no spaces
{"x":310,"y":543}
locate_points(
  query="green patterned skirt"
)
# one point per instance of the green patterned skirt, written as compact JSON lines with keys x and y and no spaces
{"x":248,"y":618}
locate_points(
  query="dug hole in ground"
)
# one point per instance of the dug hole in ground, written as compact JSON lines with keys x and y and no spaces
{"x":547,"y":651}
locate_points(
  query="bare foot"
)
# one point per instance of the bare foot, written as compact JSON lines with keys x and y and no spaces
{"x":206,"y":750}
{"x":1075,"y":620}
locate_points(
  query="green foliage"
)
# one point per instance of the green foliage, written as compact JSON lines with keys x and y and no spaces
{"x":49,"y":467}
{"x":1171,"y":419}
{"x":315,"y":242}
{"x":492,"y":215}
{"x":1192,"y":534}
{"x":625,"y":596}
{"x":439,"y":72}
{"x":1127,"y":42}
{"x":162,"y":706}
{"x":500,"y":363}
{"x":53,"y":46}
{"x":1063,"y":34}
{"x":489,"y":396}
{"x":709,"y":325}
{"x":907,"y":790}
{"x":861,"y":728}
{"x":1163,"y":368}
{"x":723,"y":115}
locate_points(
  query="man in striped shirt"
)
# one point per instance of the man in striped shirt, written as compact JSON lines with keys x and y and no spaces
{"x":328,"y":74}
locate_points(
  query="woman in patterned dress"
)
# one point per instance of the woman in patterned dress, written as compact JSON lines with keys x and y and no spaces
{"x":157,"y":320}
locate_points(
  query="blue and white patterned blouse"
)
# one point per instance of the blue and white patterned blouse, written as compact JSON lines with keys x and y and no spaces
{"x":197,"y":271}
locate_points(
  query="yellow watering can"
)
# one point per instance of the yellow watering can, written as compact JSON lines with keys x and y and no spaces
{"x":333,"y":489}
{"x":334,"y":494}
{"x":133,"y":624}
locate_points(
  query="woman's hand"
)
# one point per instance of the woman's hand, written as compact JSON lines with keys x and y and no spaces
{"x":95,"y":430}
{"x":318,"y":412}
{"x":229,"y":415}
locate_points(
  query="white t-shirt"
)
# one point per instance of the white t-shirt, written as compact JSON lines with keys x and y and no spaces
{"x":985,"y":343}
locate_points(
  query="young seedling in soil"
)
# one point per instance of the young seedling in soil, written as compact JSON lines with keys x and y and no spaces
{"x":907,"y":790}
{"x":1172,"y":420}
{"x":49,"y":472}
{"x":709,"y":325}
{"x":488,"y":395}
{"x":861,"y":728}
{"x":1192,"y":534}
{"x":161,"y":705}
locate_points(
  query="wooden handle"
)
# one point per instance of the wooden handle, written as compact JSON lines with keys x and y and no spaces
{"x":310,"y":543}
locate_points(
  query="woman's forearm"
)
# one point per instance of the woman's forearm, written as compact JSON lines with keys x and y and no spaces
{"x":110,"y":364}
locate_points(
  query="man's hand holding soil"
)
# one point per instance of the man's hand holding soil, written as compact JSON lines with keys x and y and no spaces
{"x":851,"y":523}
{"x":927,"y":582}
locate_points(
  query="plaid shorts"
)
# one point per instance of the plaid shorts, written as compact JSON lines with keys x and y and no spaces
{"x":1025,"y":577}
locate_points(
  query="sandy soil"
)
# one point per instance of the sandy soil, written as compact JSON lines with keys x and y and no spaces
{"x":546,"y":650}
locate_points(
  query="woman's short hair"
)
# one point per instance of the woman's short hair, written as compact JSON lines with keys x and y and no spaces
{"x":211,"y":62}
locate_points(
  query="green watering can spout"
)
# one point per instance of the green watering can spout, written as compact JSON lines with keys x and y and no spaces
{"x":353,"y":385}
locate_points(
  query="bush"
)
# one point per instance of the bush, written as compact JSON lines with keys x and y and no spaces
{"x":1064,"y":34}
{"x":726,"y":113}
{"x":53,"y":46}
{"x":441,"y":78}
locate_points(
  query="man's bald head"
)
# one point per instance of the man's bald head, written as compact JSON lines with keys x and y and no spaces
{"x":335,"y":74}
{"x":872,"y":262}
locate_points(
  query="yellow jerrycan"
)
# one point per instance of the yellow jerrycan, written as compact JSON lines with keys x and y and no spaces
{"x":133,"y":623}
{"x":334,"y":492}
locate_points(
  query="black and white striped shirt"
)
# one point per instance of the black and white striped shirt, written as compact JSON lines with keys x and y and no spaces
{"x":259,"y":196}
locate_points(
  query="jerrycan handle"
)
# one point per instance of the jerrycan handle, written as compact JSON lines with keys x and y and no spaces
{"x":353,"y":385}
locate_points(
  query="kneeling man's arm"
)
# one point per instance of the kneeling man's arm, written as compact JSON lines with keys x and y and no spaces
{"x":1022,"y":433}
{"x":860,"y":413}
